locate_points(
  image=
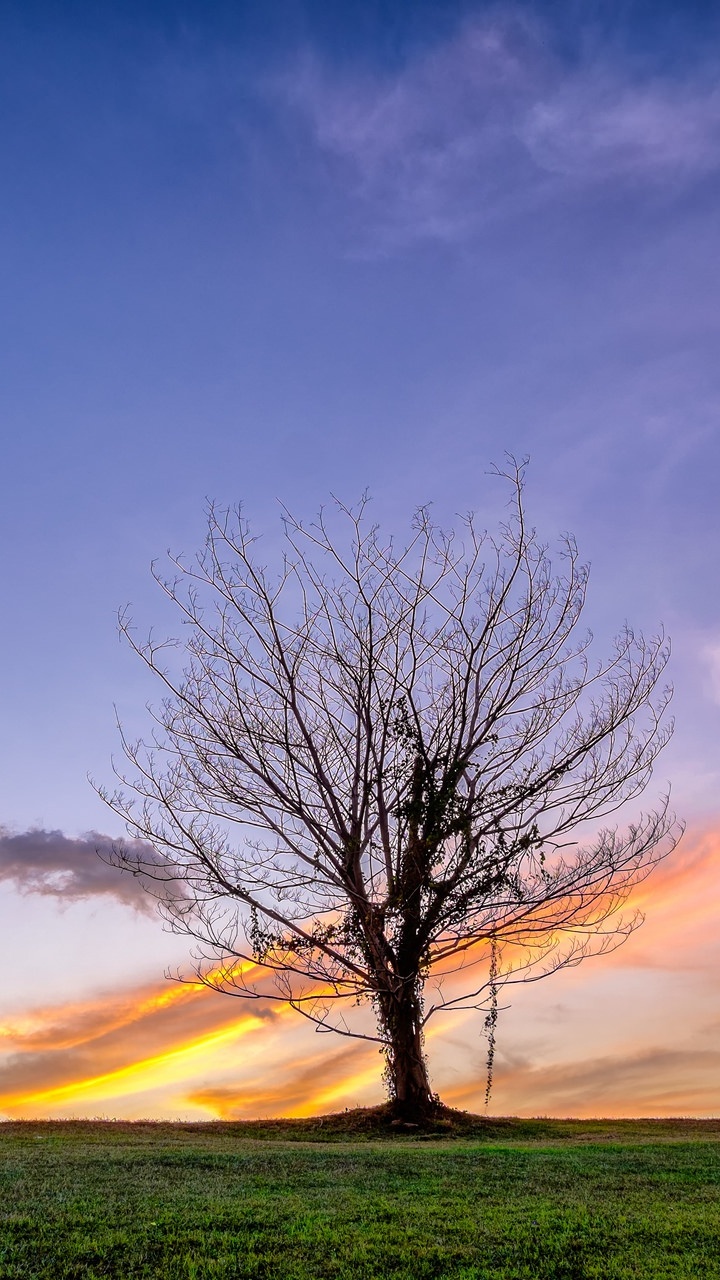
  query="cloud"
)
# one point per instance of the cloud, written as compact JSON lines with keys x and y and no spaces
{"x":679,"y":901}
{"x":652,"y":1082}
{"x":71,"y":869}
{"x":224,"y":1057}
{"x":192,"y":1051}
{"x":711,"y":656}
{"x":296,"y":1090}
{"x":599,"y":128}
{"x":491,"y":123}
{"x":117,"y":1042}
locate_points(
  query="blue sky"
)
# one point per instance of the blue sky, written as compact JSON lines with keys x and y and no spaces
{"x":258,"y":252}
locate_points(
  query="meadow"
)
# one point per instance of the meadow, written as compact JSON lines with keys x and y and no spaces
{"x":346,"y":1199}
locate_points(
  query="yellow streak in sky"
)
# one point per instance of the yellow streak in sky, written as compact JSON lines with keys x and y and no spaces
{"x":182,"y":990}
{"x":361,"y":1080}
{"x":135,"y":1071}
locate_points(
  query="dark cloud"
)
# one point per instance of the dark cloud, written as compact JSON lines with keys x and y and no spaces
{"x":59,"y":866}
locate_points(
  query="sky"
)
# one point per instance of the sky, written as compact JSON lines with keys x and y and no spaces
{"x":267,"y":253}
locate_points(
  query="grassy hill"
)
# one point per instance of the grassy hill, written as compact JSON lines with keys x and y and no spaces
{"x":349,"y":1197}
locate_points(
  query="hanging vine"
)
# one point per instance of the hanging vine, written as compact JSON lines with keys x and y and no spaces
{"x":492,"y":1016}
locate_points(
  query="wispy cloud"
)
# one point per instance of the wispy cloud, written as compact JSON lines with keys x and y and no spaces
{"x":70,"y":869}
{"x":118,"y":1044}
{"x":298,"y":1088}
{"x":710,"y":653}
{"x":492,"y":122}
{"x":653,"y":1082}
{"x":598,"y":127}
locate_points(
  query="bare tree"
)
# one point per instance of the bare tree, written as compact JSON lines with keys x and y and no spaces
{"x":385,"y":764}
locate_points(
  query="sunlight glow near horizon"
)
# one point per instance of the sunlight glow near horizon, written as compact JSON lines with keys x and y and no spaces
{"x":145,"y":1074}
{"x":682,"y":938}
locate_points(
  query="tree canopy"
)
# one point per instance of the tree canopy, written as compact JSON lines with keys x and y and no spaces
{"x":389,"y":773}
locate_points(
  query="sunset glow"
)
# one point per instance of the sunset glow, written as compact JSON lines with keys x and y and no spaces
{"x":165,"y":1041}
{"x":146,"y":1073}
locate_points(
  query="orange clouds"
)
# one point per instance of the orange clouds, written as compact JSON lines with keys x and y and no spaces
{"x":144,"y":1072}
{"x":153,"y":1049}
{"x":115,"y":1044}
{"x":634,"y":1033}
{"x":302,"y":1088}
{"x":681,"y":905}
{"x":651,"y":1082}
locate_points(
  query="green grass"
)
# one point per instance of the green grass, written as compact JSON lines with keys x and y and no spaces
{"x":521,"y":1200}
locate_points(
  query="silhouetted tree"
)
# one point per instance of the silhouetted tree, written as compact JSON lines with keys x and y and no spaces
{"x":385,"y":764}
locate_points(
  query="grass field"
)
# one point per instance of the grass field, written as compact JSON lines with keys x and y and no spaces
{"x":521,"y":1200}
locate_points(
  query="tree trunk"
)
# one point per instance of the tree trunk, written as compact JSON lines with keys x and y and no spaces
{"x":401,"y":1009}
{"x":410,"y":1093}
